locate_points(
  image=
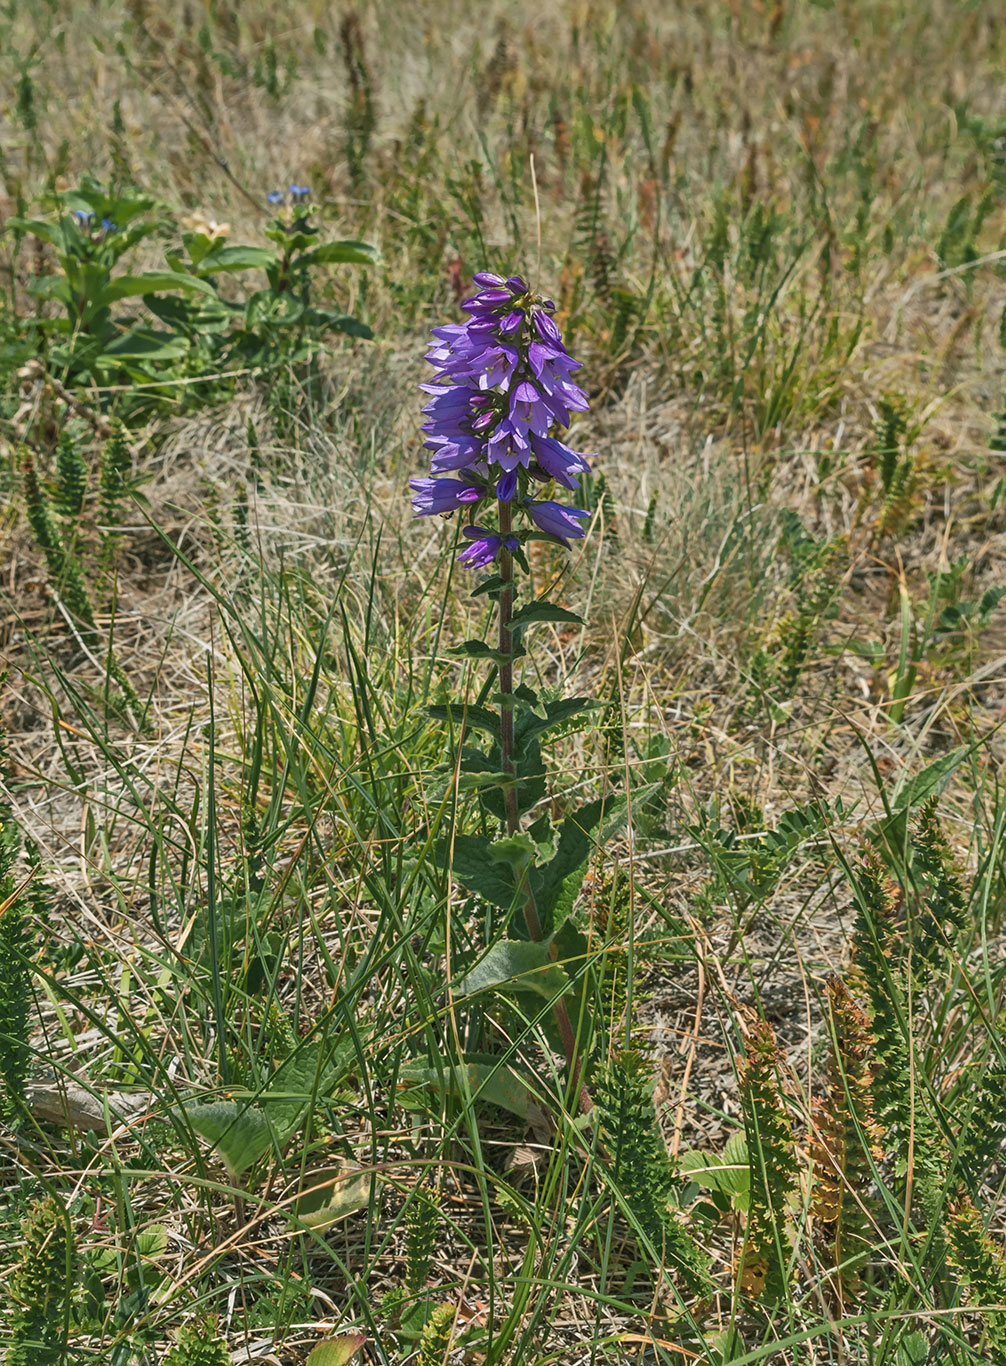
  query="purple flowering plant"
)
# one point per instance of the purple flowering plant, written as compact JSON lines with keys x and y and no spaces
{"x":502,"y":389}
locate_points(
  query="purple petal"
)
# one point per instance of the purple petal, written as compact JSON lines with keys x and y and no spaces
{"x":507,"y":486}
{"x":546,"y":327}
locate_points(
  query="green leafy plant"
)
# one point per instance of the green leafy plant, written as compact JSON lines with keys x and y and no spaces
{"x":640,"y":1169}
{"x":765,"y":1265}
{"x":93,"y":231}
{"x":198,"y":1344}
{"x":979,"y":1263}
{"x":41,"y":1286}
{"x":846,"y":1135}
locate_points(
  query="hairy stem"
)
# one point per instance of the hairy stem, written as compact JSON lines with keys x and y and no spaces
{"x":531,"y":916}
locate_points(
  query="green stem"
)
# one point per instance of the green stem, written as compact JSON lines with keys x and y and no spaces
{"x":531,"y":916}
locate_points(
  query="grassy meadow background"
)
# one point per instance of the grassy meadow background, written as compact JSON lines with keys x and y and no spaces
{"x":775,"y":236}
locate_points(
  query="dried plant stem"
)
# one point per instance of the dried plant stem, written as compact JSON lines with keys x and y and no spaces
{"x":531,"y":917}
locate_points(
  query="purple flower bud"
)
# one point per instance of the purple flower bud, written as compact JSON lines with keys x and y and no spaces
{"x":546,"y":327}
{"x":486,"y":277}
{"x":557,"y":520}
{"x":434,"y":496}
{"x":518,"y":284}
{"x":506,"y":486}
{"x":485,"y":546}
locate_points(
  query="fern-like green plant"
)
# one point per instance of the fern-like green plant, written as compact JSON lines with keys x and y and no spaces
{"x":71,"y":478}
{"x":890,"y":432}
{"x":436,"y":1339}
{"x":639,"y":1166}
{"x":64,"y":569}
{"x":879,"y":970}
{"x":846,"y":1134}
{"x":198,"y":1344}
{"x":41,"y":1286}
{"x":982,"y":1270}
{"x":942,"y":899}
{"x":422,"y":1224}
{"x":771,"y":1147}
{"x":983,"y":1126}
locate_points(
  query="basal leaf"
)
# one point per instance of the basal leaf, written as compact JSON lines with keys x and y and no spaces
{"x":515,"y":965}
{"x":239,"y":1133}
{"x":336,"y":1351}
{"x":487,"y":1079}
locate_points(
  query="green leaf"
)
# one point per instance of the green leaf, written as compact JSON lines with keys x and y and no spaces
{"x":236,"y":258}
{"x":479,"y":718}
{"x":491,"y":585}
{"x":474,"y":869}
{"x":297,"y":1084}
{"x":336,"y":1351}
{"x":729,"y":1171}
{"x":494,"y":1082}
{"x":240,"y":1134}
{"x":532,"y":613}
{"x":143,"y":343}
{"x":46,"y":232}
{"x":913,"y":1350}
{"x":576,"y":842}
{"x":529,"y":724}
{"x":130,"y":286}
{"x":932,"y":780}
{"x":340,"y":253}
{"x":517,"y":851}
{"x":478,"y":649}
{"x":515,"y":965}
{"x":341,"y":322}
{"x":331,"y":1196}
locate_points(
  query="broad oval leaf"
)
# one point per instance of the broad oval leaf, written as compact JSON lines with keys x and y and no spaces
{"x":337,"y":1351}
{"x":240,"y":1134}
{"x":515,"y":965}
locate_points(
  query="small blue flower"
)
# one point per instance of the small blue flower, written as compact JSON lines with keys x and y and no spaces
{"x":276,"y":196}
{"x":83,"y":215}
{"x":109,"y":226}
{"x":300,"y":193}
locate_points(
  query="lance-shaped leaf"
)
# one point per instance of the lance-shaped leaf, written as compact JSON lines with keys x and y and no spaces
{"x":236,"y":258}
{"x":129,"y":286}
{"x":341,"y":253}
{"x":533,"y":613}
{"x":478,"y":649}
{"x":529,"y":724}
{"x":480,"y":718}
